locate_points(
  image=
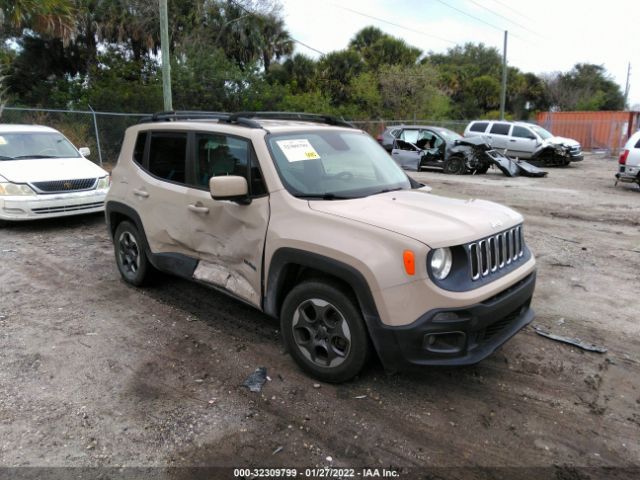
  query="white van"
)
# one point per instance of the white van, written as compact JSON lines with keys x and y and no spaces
{"x":526,"y":140}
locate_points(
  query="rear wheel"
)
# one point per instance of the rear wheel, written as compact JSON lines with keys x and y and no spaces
{"x":324,"y":331}
{"x":131,"y":258}
{"x":455,"y":165}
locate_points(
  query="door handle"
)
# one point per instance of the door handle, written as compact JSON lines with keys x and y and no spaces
{"x":198,"y":208}
{"x":394,"y":153}
{"x":512,"y":140}
{"x":140,"y":193}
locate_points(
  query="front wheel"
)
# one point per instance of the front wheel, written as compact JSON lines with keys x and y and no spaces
{"x":455,"y":165}
{"x":324,"y":331}
{"x":131,"y":258}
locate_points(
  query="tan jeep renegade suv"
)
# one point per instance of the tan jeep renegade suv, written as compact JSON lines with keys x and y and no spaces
{"x":309,"y":220}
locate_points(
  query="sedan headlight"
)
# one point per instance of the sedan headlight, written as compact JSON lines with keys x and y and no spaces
{"x":8,"y":189}
{"x":440,"y":263}
{"x":104,"y":182}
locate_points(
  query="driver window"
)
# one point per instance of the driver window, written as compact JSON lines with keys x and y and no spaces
{"x":218,"y":155}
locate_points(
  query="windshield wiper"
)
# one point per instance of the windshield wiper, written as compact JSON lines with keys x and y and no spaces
{"x":34,"y":156}
{"x":2,"y":157}
{"x":387,"y":190}
{"x":323,"y":196}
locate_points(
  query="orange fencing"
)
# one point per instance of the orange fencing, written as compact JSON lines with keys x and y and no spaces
{"x":607,"y":131}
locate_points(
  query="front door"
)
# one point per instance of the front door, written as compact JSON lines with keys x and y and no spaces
{"x":227,"y":237}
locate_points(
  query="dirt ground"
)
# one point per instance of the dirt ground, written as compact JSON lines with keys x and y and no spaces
{"x":95,"y":373}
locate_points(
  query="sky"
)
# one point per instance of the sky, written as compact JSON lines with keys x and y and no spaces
{"x":544,"y":35}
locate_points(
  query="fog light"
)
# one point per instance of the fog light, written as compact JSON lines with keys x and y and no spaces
{"x":444,"y":342}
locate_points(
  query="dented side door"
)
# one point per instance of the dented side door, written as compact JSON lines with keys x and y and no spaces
{"x":228,"y":237}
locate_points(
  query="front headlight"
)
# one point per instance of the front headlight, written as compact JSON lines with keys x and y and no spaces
{"x":441,"y":262}
{"x":104,"y":182}
{"x":8,"y":189}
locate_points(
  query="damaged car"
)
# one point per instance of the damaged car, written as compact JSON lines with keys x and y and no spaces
{"x":527,"y":141}
{"x":420,"y":148}
{"x":307,"y":219}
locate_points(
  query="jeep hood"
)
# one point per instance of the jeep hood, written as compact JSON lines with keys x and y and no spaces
{"x":40,"y":170}
{"x":430,"y":219}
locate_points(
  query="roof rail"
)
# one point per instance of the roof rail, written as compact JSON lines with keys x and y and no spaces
{"x":174,"y":115}
{"x":302,"y":116}
{"x":244,"y":118}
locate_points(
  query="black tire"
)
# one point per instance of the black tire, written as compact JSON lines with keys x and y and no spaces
{"x":131,"y":258}
{"x":455,"y":165}
{"x":313,"y":319}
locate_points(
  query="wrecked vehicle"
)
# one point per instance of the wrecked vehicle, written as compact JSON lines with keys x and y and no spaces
{"x":527,"y":141}
{"x":307,"y":219}
{"x":444,"y":149}
{"x":418,"y":147}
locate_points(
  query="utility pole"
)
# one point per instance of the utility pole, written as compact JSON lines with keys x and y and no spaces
{"x":626,"y":88}
{"x":503,"y":91}
{"x":166,"y":62}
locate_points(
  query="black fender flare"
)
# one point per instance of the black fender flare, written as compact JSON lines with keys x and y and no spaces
{"x":383,"y":339}
{"x":286,"y":256}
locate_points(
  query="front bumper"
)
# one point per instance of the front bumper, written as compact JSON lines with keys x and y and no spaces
{"x":576,"y":158}
{"x":457,"y":336}
{"x":54,"y":205}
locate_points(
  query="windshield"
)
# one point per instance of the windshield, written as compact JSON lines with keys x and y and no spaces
{"x":544,"y":134}
{"x":25,"y":145}
{"x":334,"y":164}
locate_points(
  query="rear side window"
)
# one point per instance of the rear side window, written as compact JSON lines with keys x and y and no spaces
{"x":138,"y":150}
{"x":637,"y":144}
{"x":521,"y":132}
{"x":168,"y":156}
{"x":500,"y":128}
{"x":479,"y":126}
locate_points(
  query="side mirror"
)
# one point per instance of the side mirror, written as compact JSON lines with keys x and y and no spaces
{"x":84,"y":151}
{"x":229,"y":187}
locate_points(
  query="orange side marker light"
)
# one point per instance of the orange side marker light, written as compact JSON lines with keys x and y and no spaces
{"x":409,"y":262}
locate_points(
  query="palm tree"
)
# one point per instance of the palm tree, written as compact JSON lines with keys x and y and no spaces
{"x":54,"y":18}
{"x":275,"y":40}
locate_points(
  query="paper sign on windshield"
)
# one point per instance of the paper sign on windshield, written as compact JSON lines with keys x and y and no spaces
{"x":3,"y":141}
{"x":297,"y":150}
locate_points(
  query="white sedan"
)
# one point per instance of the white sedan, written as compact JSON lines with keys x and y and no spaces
{"x":43,"y":175}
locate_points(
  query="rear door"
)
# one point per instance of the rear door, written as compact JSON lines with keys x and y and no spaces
{"x":158,"y":193}
{"x":522,"y":142}
{"x":498,"y":135}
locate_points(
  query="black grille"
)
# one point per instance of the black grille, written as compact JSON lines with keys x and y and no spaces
{"x":57,"y":186}
{"x":495,"y":253}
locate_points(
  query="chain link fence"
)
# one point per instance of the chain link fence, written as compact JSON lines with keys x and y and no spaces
{"x":103,"y":132}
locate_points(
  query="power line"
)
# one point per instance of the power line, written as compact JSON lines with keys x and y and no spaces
{"x":512,"y":9}
{"x":503,"y":17}
{"x":307,"y":46}
{"x":394,"y":24}
{"x":469,"y":15}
